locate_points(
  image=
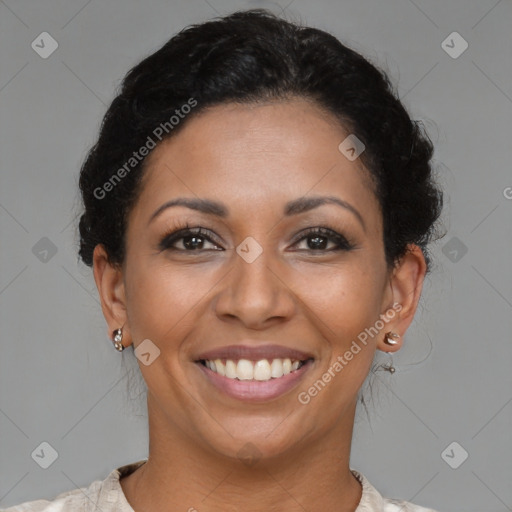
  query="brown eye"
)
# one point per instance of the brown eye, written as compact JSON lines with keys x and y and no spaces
{"x":191,"y":240}
{"x":318,"y":239}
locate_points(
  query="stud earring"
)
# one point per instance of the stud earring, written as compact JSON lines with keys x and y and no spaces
{"x":118,"y":338}
{"x":388,"y":336}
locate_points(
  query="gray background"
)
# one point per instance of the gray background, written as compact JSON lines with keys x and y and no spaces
{"x":61,"y":381}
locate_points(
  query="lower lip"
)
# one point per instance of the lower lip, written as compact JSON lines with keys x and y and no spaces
{"x":256,"y":390}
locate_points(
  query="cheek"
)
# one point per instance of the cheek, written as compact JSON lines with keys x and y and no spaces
{"x":345,"y":304}
{"x":161,"y":299}
{"x":163,"y":305}
{"x":344,"y":297}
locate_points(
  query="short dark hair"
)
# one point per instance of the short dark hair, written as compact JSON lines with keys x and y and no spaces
{"x":251,"y":56}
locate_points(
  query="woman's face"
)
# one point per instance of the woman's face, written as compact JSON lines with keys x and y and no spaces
{"x":258,"y":274}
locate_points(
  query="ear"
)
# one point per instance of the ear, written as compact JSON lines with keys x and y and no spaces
{"x":110,"y":284}
{"x":404,"y":289}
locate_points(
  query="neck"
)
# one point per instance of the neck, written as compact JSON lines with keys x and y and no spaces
{"x":181,"y":476}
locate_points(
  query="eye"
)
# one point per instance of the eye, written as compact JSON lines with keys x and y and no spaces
{"x":318,"y":239}
{"x":189,"y":240}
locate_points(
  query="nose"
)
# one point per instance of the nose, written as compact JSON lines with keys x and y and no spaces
{"x":256,"y":294}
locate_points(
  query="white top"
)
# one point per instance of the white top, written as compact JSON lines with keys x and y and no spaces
{"x":108,"y":496}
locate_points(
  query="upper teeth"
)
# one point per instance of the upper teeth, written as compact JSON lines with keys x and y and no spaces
{"x":252,"y":370}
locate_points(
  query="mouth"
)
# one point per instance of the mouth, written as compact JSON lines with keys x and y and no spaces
{"x":254,"y":373}
{"x":261,"y":370}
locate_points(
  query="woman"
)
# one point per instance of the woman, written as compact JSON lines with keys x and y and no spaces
{"x":257,"y":211}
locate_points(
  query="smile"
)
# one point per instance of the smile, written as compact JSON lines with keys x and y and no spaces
{"x":244,"y":369}
{"x":254,"y":381}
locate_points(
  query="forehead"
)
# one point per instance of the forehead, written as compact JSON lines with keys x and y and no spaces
{"x":256,"y":155}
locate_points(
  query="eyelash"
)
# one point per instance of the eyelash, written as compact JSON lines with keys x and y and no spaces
{"x":178,"y":233}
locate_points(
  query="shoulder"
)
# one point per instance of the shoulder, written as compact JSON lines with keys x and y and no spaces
{"x":105,"y":495}
{"x":373,"y":501}
{"x":403,"y":506}
{"x":70,"y":500}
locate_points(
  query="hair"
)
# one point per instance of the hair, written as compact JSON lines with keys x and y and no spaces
{"x":255,"y":56}
{"x":250,"y":56}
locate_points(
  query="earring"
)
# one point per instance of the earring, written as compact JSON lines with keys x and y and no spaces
{"x":118,"y":337}
{"x":388,"y":340}
{"x":389,"y":367}
{"x":385,"y":367}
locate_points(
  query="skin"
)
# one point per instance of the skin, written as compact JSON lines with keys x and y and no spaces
{"x":253,"y":159}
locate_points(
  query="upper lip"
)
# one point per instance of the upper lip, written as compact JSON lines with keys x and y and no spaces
{"x":254,"y":353}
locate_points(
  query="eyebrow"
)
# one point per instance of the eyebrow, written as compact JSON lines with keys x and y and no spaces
{"x":295,"y":207}
{"x":304,"y":204}
{"x":201,"y":205}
